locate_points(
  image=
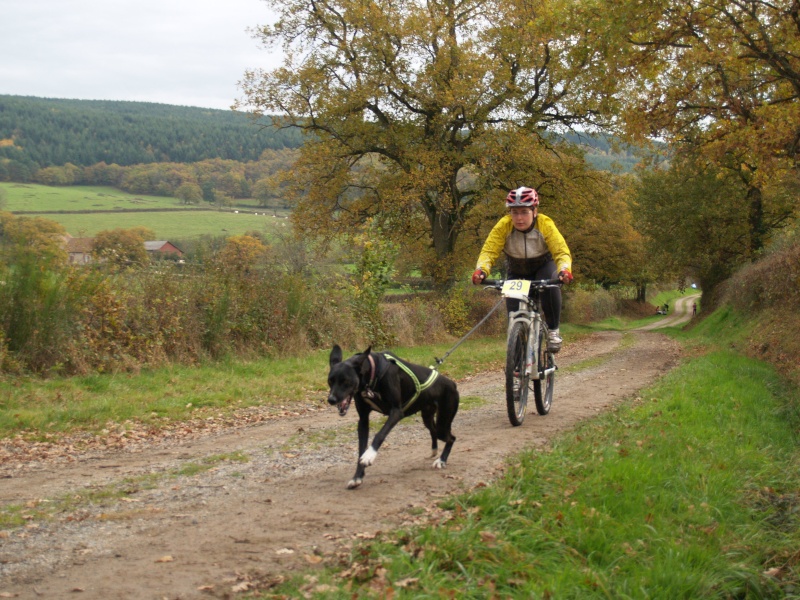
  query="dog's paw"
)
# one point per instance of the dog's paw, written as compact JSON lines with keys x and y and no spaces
{"x":354,"y":483}
{"x":368,"y":458}
{"x":439,"y":464}
{"x":434,"y":453}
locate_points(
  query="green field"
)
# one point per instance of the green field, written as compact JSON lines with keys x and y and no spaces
{"x":166,"y":225}
{"x":172,"y":225}
{"x":29,"y":196}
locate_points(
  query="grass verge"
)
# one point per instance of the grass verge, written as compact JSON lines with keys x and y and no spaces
{"x":691,"y":490}
{"x":39,"y":409}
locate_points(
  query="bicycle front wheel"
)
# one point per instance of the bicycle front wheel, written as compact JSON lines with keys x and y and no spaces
{"x":516,"y":380}
{"x":543,"y":387}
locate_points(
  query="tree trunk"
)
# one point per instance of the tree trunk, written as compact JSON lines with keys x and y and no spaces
{"x":444,"y":233}
{"x":755,"y":220}
{"x":641,"y":292}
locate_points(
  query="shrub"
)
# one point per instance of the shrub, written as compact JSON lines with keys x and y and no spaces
{"x":583,"y":306}
{"x":770,"y":282}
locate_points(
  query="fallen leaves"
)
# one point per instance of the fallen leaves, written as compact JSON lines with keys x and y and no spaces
{"x":27,"y":447}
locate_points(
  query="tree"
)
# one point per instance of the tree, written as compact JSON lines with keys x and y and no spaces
{"x":120,"y":248}
{"x":40,"y":238}
{"x":143,"y":232}
{"x":721,"y":79}
{"x":263,"y":191}
{"x":418,"y":112}
{"x":241,"y":252}
{"x":695,"y":218}
{"x":189,"y":193}
{"x":608,"y":248}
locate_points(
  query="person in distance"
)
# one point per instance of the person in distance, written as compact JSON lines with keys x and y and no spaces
{"x":534,"y":249}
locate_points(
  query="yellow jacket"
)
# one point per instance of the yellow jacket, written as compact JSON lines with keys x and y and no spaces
{"x":543,"y":237}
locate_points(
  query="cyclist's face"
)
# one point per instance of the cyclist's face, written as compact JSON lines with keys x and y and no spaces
{"x":522,"y":218}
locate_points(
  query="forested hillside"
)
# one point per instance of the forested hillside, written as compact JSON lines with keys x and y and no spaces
{"x":39,"y":132}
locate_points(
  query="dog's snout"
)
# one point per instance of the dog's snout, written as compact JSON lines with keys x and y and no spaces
{"x":332,"y":399}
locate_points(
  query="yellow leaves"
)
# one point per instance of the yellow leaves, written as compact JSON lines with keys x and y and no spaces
{"x":241,"y":252}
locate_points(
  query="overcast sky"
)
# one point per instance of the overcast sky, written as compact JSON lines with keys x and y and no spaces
{"x":183,"y":52}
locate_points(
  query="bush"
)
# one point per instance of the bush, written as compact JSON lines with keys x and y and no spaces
{"x":416,"y":320}
{"x":583,"y":306}
{"x":768,"y":291}
{"x":770,"y":282}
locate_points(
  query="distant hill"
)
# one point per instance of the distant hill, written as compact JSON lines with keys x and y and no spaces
{"x":42,"y":132}
{"x":36,"y":133}
{"x":604,"y":154}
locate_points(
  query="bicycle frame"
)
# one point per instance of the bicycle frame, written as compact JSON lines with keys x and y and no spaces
{"x":532,"y":320}
{"x":531,"y":317}
{"x":529,"y":365}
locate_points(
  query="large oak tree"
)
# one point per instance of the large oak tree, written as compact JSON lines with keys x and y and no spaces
{"x":417,"y":112}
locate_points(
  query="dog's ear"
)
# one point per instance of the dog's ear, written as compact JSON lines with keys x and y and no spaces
{"x":363,"y":363}
{"x":336,"y":355}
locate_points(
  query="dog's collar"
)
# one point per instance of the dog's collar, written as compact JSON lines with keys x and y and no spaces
{"x":368,"y":394}
{"x":373,"y":375}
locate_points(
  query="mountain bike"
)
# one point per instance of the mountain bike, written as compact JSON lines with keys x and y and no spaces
{"x":529,"y":362}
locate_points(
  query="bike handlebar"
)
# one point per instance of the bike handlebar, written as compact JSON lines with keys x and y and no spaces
{"x":535,"y":283}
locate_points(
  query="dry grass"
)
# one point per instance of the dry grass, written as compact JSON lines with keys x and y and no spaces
{"x":769,"y":292}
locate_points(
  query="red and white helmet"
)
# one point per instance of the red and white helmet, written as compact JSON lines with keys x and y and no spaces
{"x":522,"y":197}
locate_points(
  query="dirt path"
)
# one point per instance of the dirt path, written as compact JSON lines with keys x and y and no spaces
{"x":213,"y":533}
{"x":681,"y":313}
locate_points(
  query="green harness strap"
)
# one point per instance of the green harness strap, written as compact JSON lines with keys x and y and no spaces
{"x":421,"y":387}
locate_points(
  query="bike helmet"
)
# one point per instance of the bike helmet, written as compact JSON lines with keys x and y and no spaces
{"x":522,"y":197}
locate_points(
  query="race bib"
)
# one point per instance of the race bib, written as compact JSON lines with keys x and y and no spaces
{"x":516,"y":288}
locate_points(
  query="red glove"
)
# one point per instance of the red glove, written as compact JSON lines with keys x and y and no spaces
{"x":478,"y":276}
{"x":565,"y":276}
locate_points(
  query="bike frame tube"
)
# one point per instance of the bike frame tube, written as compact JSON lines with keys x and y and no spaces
{"x":531,"y":320}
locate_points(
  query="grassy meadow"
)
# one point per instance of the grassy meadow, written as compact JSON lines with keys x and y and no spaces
{"x":43,"y":198}
{"x":49,"y":201}
{"x":172,"y":225}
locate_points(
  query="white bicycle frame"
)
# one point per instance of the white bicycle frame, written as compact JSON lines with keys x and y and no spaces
{"x":518,"y":290}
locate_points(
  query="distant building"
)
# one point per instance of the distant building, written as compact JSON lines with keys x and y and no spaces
{"x":79,"y":250}
{"x":162,"y":248}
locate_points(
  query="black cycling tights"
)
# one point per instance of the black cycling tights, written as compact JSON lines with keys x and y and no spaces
{"x":551,"y":297}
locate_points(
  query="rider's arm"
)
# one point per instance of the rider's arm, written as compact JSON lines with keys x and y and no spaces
{"x":494,"y":244}
{"x":555,"y":243}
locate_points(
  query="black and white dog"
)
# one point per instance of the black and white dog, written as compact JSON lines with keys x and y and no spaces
{"x":395,"y":388}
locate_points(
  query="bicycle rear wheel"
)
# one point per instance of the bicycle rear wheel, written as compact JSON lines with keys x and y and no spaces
{"x":516,"y":380}
{"x":543,"y":387}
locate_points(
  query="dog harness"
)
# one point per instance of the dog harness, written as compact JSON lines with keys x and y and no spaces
{"x":369,"y":394}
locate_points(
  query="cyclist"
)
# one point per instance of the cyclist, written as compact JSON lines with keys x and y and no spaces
{"x":534,"y":249}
